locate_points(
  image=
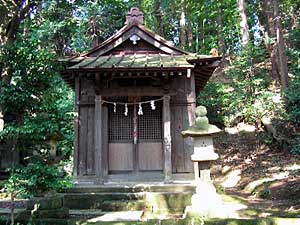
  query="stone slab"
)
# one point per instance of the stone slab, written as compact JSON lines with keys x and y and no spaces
{"x":119,"y":216}
{"x":133,"y":188}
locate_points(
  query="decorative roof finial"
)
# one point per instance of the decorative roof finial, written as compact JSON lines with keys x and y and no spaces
{"x":134,"y":16}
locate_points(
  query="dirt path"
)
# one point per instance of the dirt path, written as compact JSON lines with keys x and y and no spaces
{"x":258,"y":171}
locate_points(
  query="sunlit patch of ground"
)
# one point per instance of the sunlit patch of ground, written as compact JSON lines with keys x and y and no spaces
{"x":261,"y":173}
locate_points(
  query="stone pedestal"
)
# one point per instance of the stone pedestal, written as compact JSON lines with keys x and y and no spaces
{"x":205,"y":202}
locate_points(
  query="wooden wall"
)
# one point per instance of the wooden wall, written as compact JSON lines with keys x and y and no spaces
{"x":85,"y":154}
{"x":182,"y":116}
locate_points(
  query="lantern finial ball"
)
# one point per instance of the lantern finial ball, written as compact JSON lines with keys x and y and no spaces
{"x":201,"y":126}
{"x":201,"y":111}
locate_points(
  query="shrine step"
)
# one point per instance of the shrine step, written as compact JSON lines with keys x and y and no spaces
{"x":132,"y":188}
{"x":150,"y":202}
{"x":22,"y":216}
{"x":93,"y":216}
{"x":97,"y":200}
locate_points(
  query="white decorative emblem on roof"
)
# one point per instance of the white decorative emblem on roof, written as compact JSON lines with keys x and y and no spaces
{"x":134,"y":38}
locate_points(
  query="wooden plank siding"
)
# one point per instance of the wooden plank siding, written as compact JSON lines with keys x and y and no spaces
{"x":182,"y":113}
{"x":182,"y":116}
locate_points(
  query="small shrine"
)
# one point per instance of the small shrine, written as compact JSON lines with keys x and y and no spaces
{"x":134,"y":94}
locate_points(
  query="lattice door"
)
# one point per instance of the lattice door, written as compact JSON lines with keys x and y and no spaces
{"x":150,"y":123}
{"x":120,"y":127}
{"x":120,"y":139}
{"x":150,"y":154}
{"x":135,"y":141}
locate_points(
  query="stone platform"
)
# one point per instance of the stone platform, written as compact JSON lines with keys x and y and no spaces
{"x":154,"y":200}
{"x":109,"y":202}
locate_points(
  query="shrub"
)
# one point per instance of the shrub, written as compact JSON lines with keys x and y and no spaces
{"x":292,"y":92}
{"x":36,"y":178}
{"x":247,"y":96}
{"x":215,"y":98}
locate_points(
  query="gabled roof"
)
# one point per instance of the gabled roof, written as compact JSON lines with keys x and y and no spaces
{"x":141,"y":32}
{"x":135,"y":47}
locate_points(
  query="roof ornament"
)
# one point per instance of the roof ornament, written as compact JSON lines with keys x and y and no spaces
{"x":134,"y":38}
{"x":134,"y":16}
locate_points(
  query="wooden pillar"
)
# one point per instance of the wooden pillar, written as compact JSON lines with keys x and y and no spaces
{"x":192,"y":116}
{"x":76,"y":127}
{"x":104,"y":152}
{"x":98,"y":139}
{"x":167,"y":138}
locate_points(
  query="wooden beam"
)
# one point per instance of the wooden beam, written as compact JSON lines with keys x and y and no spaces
{"x":167,"y":139}
{"x":98,"y":140}
{"x":132,"y":69}
{"x":136,"y":91}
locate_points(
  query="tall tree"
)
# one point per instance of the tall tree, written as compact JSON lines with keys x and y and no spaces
{"x":221,"y":41}
{"x":189,"y":28}
{"x":267,"y":16}
{"x":243,"y":24}
{"x":12,"y":13}
{"x":280,"y":48}
{"x":272,"y":21}
{"x":182,"y":24}
{"x":159,"y":18}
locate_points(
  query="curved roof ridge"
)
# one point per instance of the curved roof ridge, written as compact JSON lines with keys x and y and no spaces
{"x":144,"y":29}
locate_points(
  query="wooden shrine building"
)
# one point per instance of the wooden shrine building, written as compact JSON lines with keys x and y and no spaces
{"x":135,"y":93}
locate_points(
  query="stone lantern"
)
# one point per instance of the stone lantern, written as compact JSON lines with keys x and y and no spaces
{"x":205,"y":201}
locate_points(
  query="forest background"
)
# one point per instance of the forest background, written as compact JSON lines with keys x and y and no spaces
{"x":258,"y":79}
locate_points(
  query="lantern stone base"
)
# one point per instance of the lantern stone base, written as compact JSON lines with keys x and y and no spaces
{"x":206,"y":202}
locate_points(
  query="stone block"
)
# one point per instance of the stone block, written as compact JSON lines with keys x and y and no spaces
{"x":95,"y":201}
{"x":60,"y":213}
{"x":45,"y":203}
{"x":168,"y":202}
{"x":123,"y":205}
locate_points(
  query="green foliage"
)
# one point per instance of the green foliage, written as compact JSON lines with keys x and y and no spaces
{"x":36,"y":178}
{"x":37,"y":101}
{"x":216,"y":98}
{"x":248,"y":97}
{"x":251,"y":98}
{"x":70,"y":27}
{"x":296,"y":148}
{"x":30,"y":69}
{"x":292,"y":93}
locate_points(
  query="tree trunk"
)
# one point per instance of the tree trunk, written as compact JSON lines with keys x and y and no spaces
{"x":189,"y":27}
{"x":267,"y":15}
{"x":221,"y":41}
{"x":268,"y":9}
{"x":281,"y":55}
{"x":243,"y":24}
{"x":182,"y":23}
{"x":159,"y":18}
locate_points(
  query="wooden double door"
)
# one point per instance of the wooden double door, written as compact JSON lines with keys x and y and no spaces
{"x":135,"y":142}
